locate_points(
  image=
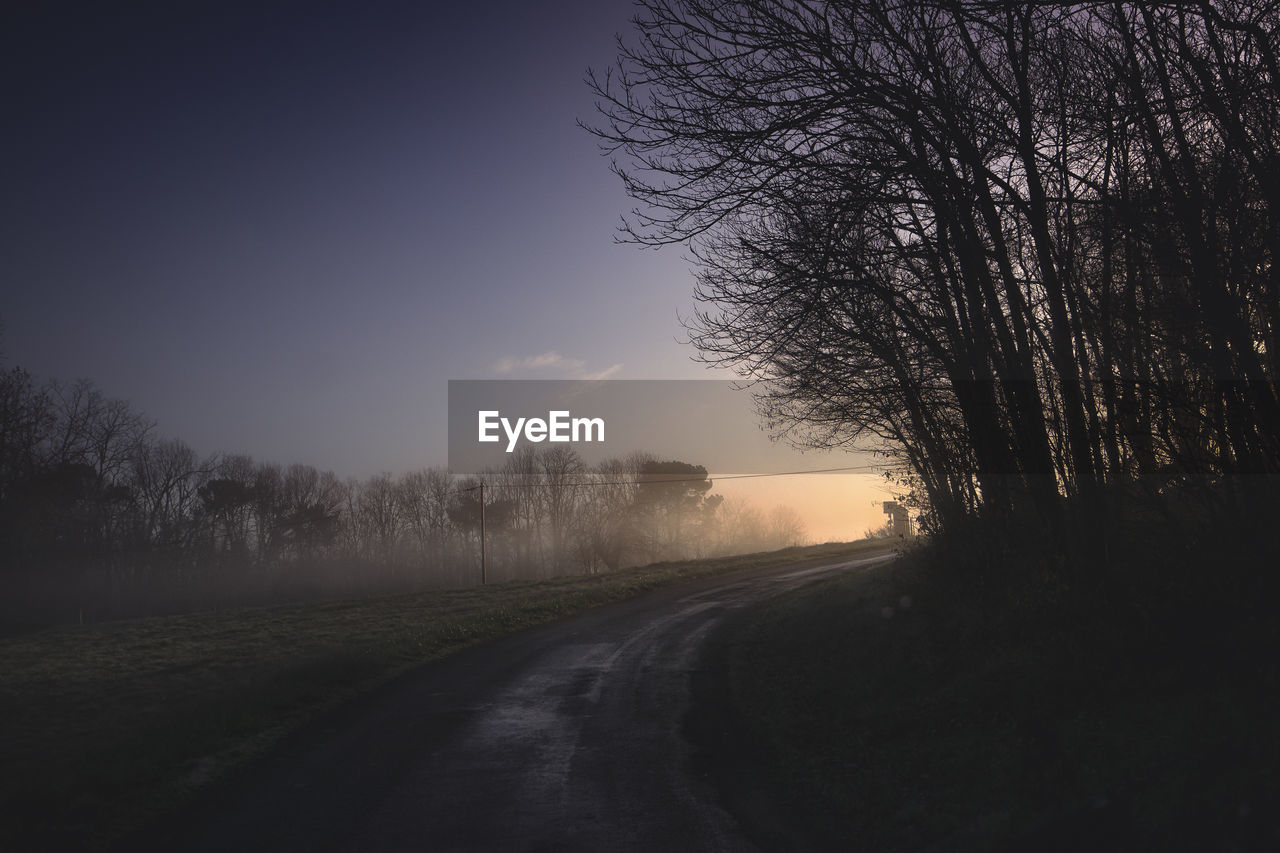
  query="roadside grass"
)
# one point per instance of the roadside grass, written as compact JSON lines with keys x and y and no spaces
{"x":939,"y":726}
{"x":104,"y":727}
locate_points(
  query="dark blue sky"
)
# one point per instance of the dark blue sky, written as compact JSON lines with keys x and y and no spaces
{"x":280,"y":228}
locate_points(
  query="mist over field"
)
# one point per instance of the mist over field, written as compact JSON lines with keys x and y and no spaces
{"x":103,"y":519}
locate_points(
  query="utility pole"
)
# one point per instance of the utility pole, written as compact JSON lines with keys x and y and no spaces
{"x":484,"y":572}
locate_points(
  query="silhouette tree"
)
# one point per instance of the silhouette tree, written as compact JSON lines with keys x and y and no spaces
{"x":670,"y":502}
{"x":1029,"y":246}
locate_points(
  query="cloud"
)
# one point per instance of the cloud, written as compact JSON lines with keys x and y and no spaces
{"x":602,"y":374}
{"x":550,"y":358}
{"x":575,"y":368}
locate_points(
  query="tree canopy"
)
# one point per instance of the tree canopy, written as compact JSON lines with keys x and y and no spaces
{"x":1029,"y":245}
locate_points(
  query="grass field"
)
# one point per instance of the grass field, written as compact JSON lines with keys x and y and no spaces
{"x":105,"y":726}
{"x":920,"y":723}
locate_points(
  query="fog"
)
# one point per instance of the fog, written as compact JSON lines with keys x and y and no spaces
{"x":103,"y":519}
{"x":834,"y":507}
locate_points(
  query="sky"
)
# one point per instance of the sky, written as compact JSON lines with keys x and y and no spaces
{"x":280,"y":228}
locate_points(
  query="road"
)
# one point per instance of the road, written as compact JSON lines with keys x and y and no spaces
{"x":570,"y":736}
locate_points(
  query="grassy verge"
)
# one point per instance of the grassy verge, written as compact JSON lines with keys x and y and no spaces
{"x":940,"y":726}
{"x":103,"y":727}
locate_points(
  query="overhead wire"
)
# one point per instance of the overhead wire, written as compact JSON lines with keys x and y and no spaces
{"x":658,"y":478}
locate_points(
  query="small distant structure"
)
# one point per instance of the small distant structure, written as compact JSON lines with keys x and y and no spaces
{"x":899,"y":520}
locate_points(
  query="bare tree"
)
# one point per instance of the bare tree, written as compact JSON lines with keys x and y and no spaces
{"x":1027,"y":245}
{"x":607,"y":534}
{"x":166,"y":478}
{"x":424,"y":498}
{"x":380,"y":517}
{"x":785,"y":528}
{"x":561,"y":472}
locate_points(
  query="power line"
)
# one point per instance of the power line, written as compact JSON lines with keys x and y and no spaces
{"x":638,"y":482}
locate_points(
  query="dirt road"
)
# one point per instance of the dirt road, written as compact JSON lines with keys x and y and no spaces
{"x":570,"y":736}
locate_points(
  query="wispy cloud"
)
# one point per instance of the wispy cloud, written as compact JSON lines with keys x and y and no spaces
{"x":550,"y":360}
{"x":602,"y":374}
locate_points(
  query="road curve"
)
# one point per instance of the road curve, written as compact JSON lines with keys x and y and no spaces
{"x":565,"y":737}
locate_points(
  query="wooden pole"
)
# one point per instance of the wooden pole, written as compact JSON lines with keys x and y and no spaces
{"x":484,"y":571}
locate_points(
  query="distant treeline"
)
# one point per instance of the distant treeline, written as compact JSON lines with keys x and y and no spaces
{"x":100,"y":517}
